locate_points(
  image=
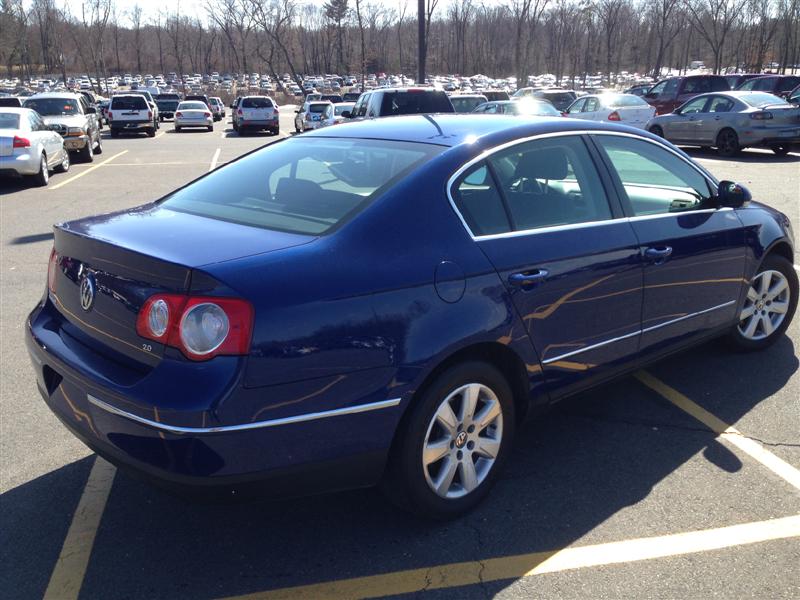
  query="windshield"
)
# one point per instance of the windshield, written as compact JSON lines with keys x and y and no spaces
{"x":303,"y":185}
{"x":415,"y":102}
{"x":9,"y":121}
{"x":761,"y":99}
{"x":256,"y":103}
{"x":622,"y":100}
{"x":53,"y":106}
{"x":464,"y":104}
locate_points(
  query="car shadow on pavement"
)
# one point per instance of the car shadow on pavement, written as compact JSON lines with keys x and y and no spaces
{"x":579,"y":466}
{"x":745,"y":156}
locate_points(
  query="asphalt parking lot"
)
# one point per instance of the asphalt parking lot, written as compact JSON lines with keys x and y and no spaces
{"x":681,"y":481}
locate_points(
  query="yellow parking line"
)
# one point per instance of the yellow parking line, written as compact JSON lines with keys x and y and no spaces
{"x":89,"y":170}
{"x":537,"y":563}
{"x":67,"y":577}
{"x":158,"y":135}
{"x":726,"y":432}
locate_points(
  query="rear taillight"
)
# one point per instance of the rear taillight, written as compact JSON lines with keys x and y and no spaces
{"x":200,"y":327}
{"x":110,"y":115}
{"x":21,"y":142}
{"x":52,"y":270}
{"x":178,"y":114}
{"x":149,"y":114}
{"x":614,"y":116}
{"x":206,"y":115}
{"x":761,"y":116}
{"x":240,"y":111}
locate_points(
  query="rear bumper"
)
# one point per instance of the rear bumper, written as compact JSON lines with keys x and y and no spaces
{"x":189,"y":446}
{"x":265,"y":124}
{"x":194,"y":122}
{"x":130,"y":125}
{"x":20,"y":164}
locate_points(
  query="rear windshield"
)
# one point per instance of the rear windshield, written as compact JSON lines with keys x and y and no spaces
{"x":412,"y":103}
{"x":10,"y":101}
{"x":9,"y":121}
{"x":302,"y":185}
{"x":128,"y":103}
{"x":342,"y":108}
{"x":53,"y":106}
{"x":559,"y":99}
{"x":256,"y":103}
{"x":466,"y":104}
{"x":167,"y":104}
{"x":761,"y":99}
{"x":192,"y":106}
{"x":317,"y":108}
{"x":622,"y":100}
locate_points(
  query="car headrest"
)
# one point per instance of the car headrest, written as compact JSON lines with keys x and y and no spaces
{"x":296,"y":190}
{"x":544,"y":163}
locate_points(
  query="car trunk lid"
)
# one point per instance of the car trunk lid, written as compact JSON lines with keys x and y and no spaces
{"x":7,"y":142}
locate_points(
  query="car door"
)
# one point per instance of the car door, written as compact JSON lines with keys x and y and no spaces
{"x":683,"y":127}
{"x":51,"y":141}
{"x":574,"y":110}
{"x":717,"y":115}
{"x":663,"y":94}
{"x":591,"y":109}
{"x":694,"y":252}
{"x":542,"y":214}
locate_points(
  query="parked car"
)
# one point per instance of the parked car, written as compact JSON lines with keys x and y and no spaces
{"x":466,"y":103}
{"x":10,"y":102}
{"x":199,"y":98}
{"x":166,"y":108}
{"x":311,"y":115}
{"x":559,"y":98}
{"x":495,"y":95}
{"x":336,"y":114}
{"x":640,"y":89}
{"x":350,"y":96}
{"x":527,"y":107}
{"x":780,"y":85}
{"x":731,"y":121}
{"x":193,"y":113}
{"x":256,"y":113}
{"x":218,"y":106}
{"x":332,"y":98}
{"x":668,"y":94}
{"x":407,"y":349}
{"x":28,"y":147}
{"x":72,"y":118}
{"x":736,"y":80}
{"x":130,"y":113}
{"x":794,"y":96}
{"x":389,"y":102}
{"x":627,"y":109}
{"x":151,"y":103}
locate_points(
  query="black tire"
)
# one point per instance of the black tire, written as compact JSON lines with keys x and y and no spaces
{"x":177,"y":128}
{"x":151,"y":132}
{"x":235,"y":127}
{"x":99,"y":148}
{"x":777,"y":263}
{"x":405,"y":482}
{"x":276,"y":132}
{"x":728,"y":143}
{"x":780,"y":150}
{"x":41,"y":178}
{"x":210,"y":128}
{"x":656,"y":130}
{"x":296,"y":128}
{"x":63,"y":167}
{"x":87,"y":152}
{"x":115,"y":133}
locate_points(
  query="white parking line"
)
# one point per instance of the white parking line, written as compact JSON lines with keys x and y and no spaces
{"x":89,"y":170}
{"x":725,"y":432}
{"x":214,"y":159}
{"x":68,"y":574}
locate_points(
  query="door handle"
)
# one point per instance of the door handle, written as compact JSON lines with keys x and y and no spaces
{"x":528,"y":278}
{"x":658,"y":255}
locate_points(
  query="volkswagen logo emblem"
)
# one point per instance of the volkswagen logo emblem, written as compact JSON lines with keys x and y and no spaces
{"x":87,"y":293}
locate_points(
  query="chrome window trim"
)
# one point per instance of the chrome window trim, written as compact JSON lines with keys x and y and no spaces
{"x":489,"y":152}
{"x":635,"y":333}
{"x":179,"y":430}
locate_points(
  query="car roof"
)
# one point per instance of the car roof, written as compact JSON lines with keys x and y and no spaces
{"x":452,"y":129}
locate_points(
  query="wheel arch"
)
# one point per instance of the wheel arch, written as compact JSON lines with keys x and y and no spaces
{"x":780,"y":248}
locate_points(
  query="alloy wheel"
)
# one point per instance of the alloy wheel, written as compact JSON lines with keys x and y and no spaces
{"x":45,"y":174}
{"x":462,"y":441}
{"x":766,"y":305}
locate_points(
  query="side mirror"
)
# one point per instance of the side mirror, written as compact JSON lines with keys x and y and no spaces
{"x":346,"y":114}
{"x":733,"y":194}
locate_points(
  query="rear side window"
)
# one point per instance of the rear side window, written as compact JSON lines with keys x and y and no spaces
{"x":412,"y":103}
{"x":479,"y":202}
{"x":655,"y":181}
{"x":302,"y":185}
{"x":697,"y":86}
{"x":787,"y":84}
{"x":128,"y":103}
{"x":257,"y":103}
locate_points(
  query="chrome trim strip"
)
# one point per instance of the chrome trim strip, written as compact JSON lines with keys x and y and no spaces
{"x":592,"y":347}
{"x":176,"y":429}
{"x":632,"y":334}
{"x":490,"y":151}
{"x":689,"y":316}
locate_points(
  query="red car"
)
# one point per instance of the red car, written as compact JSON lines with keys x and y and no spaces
{"x":668,"y":94}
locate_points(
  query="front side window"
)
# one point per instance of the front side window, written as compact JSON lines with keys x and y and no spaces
{"x":654,"y":180}
{"x":550,"y":182}
{"x":577,"y":106}
{"x":591,"y":105}
{"x":302,"y":185}
{"x":697,"y":105}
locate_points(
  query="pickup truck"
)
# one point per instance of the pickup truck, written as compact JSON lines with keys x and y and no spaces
{"x":71,"y":116}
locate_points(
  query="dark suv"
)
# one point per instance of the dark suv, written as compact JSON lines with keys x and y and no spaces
{"x":401,"y":101}
{"x":668,"y":94}
{"x":780,"y":85}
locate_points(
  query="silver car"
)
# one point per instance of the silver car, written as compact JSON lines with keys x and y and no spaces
{"x":28,"y":147}
{"x":730,"y":121}
{"x":193,"y":113}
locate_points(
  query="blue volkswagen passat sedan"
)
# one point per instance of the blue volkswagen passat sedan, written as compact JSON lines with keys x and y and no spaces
{"x":384,"y":301}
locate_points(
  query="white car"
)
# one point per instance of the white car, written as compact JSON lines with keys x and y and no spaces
{"x":334,"y":114}
{"x":627,"y":109}
{"x":310,"y":115}
{"x":28,"y":147}
{"x":193,"y":113}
